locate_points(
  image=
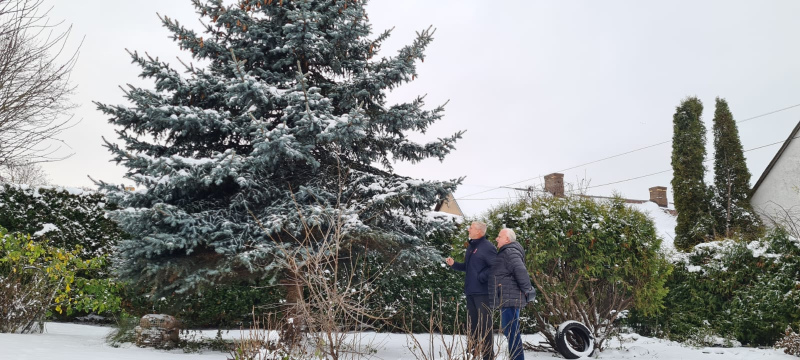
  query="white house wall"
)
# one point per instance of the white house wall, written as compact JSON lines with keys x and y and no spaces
{"x":778,"y":196}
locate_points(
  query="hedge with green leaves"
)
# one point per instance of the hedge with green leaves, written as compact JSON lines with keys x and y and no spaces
{"x":747,"y":291}
{"x":586,"y":257}
{"x":38,"y":279}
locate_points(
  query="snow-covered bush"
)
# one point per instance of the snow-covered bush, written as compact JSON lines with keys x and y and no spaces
{"x":790,"y":343}
{"x":590,"y":260}
{"x":743,"y":290}
{"x":66,"y":217}
{"x":37,"y":279}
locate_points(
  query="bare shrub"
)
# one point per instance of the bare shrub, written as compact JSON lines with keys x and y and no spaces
{"x":330,"y":305}
{"x":23,"y":302}
{"x":25,"y":172}
{"x":790,"y":343}
{"x":786,"y":218}
{"x":438,"y":343}
{"x":261,"y":342}
{"x":34,"y":83}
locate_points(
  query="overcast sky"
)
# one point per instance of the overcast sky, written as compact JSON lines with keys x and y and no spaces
{"x":539,"y":86}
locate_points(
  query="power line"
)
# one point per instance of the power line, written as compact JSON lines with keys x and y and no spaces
{"x":621,"y":154}
{"x":629,"y":179}
{"x":769,"y":113}
{"x":510,"y":188}
{"x":482,"y":199}
{"x":661,"y":172}
{"x":613,"y":182}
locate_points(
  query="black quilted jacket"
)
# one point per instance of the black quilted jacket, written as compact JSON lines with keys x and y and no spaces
{"x":509,"y":280}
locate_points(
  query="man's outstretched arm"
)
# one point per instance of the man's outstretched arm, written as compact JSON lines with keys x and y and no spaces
{"x":455,"y":265}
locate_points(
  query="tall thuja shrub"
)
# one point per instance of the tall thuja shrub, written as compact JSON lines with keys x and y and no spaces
{"x":286,"y":128}
{"x":730,"y":202}
{"x":694,"y":222}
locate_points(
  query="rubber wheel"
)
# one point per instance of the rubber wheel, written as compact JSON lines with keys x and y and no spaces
{"x":574,"y":340}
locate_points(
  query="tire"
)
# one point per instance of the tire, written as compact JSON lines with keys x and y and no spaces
{"x":574,"y":340}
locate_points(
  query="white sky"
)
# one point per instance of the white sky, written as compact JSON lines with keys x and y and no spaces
{"x":539,"y":86}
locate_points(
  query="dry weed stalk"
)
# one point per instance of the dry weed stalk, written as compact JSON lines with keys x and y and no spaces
{"x":437,"y":344}
{"x":24,"y":300}
{"x":327,"y":302}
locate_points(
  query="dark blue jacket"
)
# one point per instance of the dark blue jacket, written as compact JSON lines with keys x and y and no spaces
{"x":477,"y":264}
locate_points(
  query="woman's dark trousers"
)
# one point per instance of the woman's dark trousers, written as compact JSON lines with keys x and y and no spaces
{"x":509,"y":322}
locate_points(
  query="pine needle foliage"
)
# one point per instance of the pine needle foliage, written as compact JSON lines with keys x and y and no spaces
{"x":284,"y":126}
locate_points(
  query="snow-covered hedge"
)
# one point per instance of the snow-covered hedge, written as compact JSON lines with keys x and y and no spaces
{"x":65,"y":217}
{"x":591,"y":261}
{"x":747,"y":291}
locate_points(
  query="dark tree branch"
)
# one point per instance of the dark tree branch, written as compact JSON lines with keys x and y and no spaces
{"x":34,"y":84}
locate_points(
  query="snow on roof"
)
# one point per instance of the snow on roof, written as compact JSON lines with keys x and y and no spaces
{"x":665,"y":224}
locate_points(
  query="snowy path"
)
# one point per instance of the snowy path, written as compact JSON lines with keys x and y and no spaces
{"x":85,"y":342}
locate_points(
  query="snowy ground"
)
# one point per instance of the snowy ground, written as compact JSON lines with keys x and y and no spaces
{"x":86,"y":342}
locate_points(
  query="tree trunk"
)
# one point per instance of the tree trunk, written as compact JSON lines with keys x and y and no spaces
{"x":292,"y":315}
{"x":728,"y":212}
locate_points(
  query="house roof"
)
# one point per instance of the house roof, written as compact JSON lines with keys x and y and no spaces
{"x":785,"y":145}
{"x":449,"y":203}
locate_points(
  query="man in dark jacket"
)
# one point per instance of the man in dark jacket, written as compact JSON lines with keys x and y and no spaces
{"x":477,"y":264}
{"x":510,"y":282}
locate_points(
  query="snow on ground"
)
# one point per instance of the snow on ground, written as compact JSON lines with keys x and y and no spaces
{"x":87,"y":342}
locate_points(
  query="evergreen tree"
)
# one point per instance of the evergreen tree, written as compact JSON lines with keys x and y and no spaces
{"x":730,"y":202}
{"x":694,"y":222}
{"x":286,"y":128}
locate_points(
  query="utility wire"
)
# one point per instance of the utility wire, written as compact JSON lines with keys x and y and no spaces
{"x":622,"y":154}
{"x":769,"y":113}
{"x":661,"y":172}
{"x":625,"y":180}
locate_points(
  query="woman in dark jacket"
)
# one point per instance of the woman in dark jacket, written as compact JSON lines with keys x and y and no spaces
{"x":508,"y":286}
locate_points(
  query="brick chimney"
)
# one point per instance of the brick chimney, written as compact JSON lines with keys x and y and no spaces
{"x":554,"y":184}
{"x":658,"y":195}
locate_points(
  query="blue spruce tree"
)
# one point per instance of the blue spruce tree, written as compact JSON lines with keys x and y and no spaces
{"x":286,"y":126}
